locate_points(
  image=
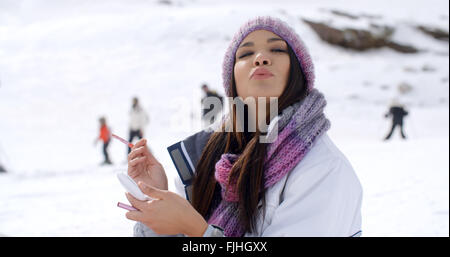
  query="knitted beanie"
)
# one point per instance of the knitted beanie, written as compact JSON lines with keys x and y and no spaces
{"x":281,"y":29}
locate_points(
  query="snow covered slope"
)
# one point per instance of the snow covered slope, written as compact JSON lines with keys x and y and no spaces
{"x":62,"y":65}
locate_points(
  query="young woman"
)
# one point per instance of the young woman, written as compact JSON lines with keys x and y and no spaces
{"x":298,"y":185}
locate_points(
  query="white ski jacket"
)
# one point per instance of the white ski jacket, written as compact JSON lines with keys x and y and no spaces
{"x":138,"y":118}
{"x":321,"y":196}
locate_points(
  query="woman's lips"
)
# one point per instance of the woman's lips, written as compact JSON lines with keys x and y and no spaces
{"x":262,"y":76}
{"x":261,"y":73}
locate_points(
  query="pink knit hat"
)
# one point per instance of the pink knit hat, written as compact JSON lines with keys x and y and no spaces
{"x":278,"y":27}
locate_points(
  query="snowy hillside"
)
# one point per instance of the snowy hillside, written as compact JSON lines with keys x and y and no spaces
{"x":63,"y":65}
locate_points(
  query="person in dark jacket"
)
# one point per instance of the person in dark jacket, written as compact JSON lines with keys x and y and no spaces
{"x":398,"y":113}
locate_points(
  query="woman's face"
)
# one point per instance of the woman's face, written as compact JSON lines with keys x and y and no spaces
{"x":262,"y":65}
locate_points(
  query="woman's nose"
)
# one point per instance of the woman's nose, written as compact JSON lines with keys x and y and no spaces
{"x":261,"y":59}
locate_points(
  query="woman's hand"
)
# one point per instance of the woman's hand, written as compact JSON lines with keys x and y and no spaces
{"x":143,"y":166}
{"x":168,"y":213}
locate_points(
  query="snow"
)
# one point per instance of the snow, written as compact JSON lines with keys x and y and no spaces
{"x":62,"y":65}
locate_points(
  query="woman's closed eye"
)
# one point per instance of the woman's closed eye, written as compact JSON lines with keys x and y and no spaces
{"x":275,"y":50}
{"x":245,"y":55}
{"x":279,"y":50}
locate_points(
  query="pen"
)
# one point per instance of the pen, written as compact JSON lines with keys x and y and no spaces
{"x":123,"y":140}
{"x":126,"y":206}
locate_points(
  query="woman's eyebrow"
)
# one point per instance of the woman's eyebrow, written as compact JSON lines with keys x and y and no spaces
{"x":273,"y":39}
{"x":246,"y":44}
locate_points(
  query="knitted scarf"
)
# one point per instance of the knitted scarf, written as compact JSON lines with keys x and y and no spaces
{"x":299,"y":125}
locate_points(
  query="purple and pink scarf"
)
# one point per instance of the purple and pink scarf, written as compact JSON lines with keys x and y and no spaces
{"x":299,"y":125}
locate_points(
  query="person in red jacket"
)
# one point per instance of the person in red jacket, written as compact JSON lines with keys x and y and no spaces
{"x":105,"y":136}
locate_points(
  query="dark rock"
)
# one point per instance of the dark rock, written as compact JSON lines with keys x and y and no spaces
{"x":401,"y":48}
{"x":358,"y":39}
{"x":344,"y":14}
{"x":434,"y":32}
{"x":348,"y":38}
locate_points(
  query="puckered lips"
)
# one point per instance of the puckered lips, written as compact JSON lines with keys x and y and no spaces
{"x":261,"y":73}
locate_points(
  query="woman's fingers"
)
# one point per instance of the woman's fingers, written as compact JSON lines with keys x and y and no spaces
{"x":153,"y":192}
{"x":136,"y":161}
{"x":142,"y":142}
{"x":140,"y":148}
{"x":135,"y":202}
{"x":136,"y":152}
{"x":134,"y":215}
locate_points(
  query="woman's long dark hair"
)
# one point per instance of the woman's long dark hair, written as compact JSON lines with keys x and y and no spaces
{"x":248,"y":170}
